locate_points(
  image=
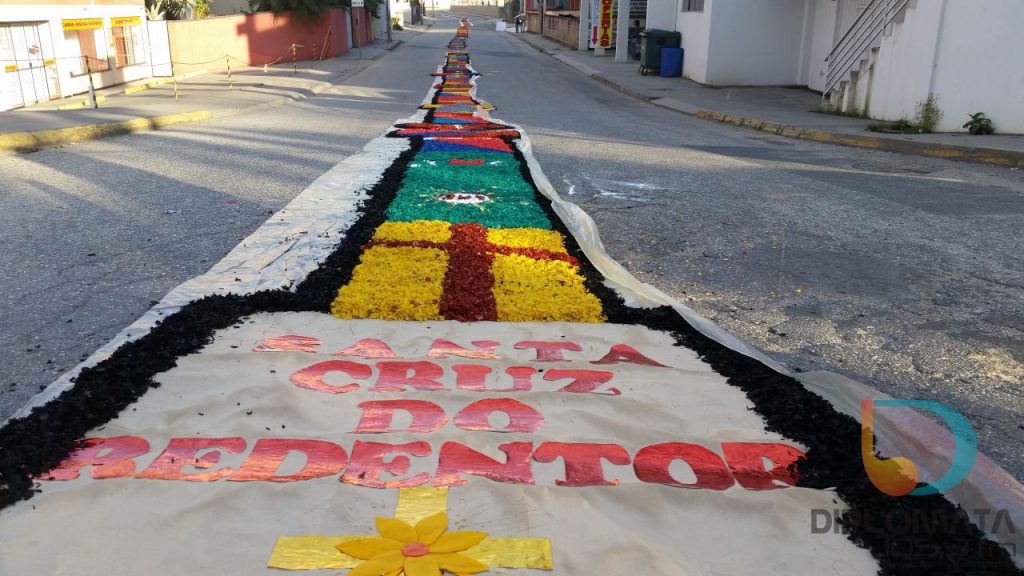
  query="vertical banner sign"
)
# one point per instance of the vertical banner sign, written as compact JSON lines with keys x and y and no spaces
{"x":595,"y":9}
{"x":604,"y":24}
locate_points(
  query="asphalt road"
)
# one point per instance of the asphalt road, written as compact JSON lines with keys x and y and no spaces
{"x":905,"y":273}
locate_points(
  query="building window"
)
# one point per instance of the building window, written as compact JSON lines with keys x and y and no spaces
{"x":693,"y":6}
{"x":127,"y":45}
{"x":90,"y":41}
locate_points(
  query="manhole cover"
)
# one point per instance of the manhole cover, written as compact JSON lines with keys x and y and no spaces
{"x":894,"y":167}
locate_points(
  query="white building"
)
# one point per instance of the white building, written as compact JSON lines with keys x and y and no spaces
{"x":47,"y":50}
{"x":877,"y":57}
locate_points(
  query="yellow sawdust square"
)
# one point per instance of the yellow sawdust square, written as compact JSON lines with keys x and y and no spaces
{"x":419,"y":230}
{"x":402,"y":283}
{"x":528,"y":290}
{"x":527,"y":238}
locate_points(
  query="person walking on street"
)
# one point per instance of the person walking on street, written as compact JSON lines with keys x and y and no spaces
{"x":519,"y":24}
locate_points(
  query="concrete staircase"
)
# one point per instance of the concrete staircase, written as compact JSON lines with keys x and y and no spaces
{"x":851,"y":61}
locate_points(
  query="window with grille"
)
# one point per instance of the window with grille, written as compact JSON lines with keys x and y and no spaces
{"x":128,"y":45}
{"x":692,"y":6}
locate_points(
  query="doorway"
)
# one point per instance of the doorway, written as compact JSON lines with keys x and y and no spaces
{"x":29,"y":68}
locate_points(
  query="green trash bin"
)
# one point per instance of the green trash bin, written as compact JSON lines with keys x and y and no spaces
{"x":651,"y":43}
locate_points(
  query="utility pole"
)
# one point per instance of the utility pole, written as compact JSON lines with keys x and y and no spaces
{"x":92,"y":89}
{"x":387,"y":14}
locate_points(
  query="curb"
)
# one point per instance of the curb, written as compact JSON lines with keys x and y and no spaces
{"x":33,"y":141}
{"x":978,"y":155}
{"x":81,"y":103}
{"x":161,"y":81}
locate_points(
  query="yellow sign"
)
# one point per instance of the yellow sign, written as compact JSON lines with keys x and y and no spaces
{"x":82,"y":24}
{"x":125,"y":21}
{"x":50,"y":62}
{"x":604,"y":24}
{"x":11,"y":68}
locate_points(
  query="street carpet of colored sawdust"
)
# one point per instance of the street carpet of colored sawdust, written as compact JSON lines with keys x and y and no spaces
{"x":436,"y":257}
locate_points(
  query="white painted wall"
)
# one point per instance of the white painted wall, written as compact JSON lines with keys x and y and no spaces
{"x":756,"y":42}
{"x":901,"y":72}
{"x":66,"y":45}
{"x":979,"y":64}
{"x":822,"y":40}
{"x":696,"y":30}
{"x":661,"y":14}
{"x":968,"y":58}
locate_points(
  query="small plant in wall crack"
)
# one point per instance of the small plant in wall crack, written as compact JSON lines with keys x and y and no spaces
{"x":925,"y":121}
{"x":979,"y":124}
{"x":928,"y":114}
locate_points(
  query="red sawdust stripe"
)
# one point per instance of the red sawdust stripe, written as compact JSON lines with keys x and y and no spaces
{"x":468,"y":283}
{"x":532,"y":253}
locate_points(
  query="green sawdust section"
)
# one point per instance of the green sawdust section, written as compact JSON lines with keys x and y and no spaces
{"x":430,"y":175}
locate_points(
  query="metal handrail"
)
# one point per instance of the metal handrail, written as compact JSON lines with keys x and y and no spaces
{"x":860,"y":38}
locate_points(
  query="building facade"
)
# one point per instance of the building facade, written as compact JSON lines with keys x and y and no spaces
{"x":49,"y":50}
{"x":880,"y":58}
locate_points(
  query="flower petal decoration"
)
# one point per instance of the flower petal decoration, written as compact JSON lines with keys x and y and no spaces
{"x":387,"y":563}
{"x":431,"y":527}
{"x":456,"y":542}
{"x":459,"y":563}
{"x":422,"y":566}
{"x":370,"y":547}
{"x":395,"y":529}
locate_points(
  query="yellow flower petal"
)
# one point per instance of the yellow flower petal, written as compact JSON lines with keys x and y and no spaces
{"x":431,"y":527}
{"x":421,"y":566}
{"x":395,"y":529}
{"x":387,"y":563}
{"x":459,"y":564}
{"x":367,"y":548}
{"x":456,"y":542}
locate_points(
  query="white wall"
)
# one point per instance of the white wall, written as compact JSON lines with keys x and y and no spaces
{"x":822,"y":40}
{"x":902,"y":70}
{"x":979,"y":64}
{"x":66,"y":46}
{"x":968,"y":58}
{"x":661,"y":14}
{"x":696,"y":30}
{"x":757,"y":42}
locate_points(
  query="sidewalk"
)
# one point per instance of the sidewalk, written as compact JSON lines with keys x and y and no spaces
{"x":783,"y":111}
{"x":200,"y":97}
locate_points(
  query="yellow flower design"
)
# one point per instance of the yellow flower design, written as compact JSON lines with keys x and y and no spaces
{"x":426,"y":549}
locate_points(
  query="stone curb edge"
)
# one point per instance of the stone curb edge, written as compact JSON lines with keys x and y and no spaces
{"x":979,"y":155}
{"x":33,"y":141}
{"x":990,"y":156}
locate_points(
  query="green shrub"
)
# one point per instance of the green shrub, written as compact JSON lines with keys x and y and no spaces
{"x":928,"y":114}
{"x":979,"y":125}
